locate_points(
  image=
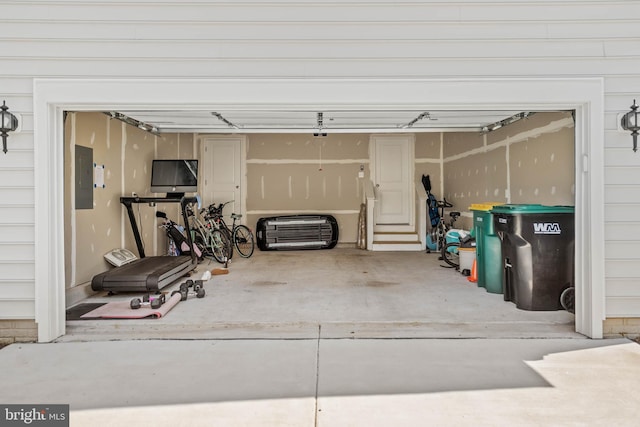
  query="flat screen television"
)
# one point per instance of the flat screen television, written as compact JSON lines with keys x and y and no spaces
{"x":174,"y":177}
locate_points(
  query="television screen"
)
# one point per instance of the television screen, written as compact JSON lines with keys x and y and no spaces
{"x":174,"y":177}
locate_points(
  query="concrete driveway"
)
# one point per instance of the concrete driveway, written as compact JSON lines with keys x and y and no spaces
{"x":331,"y":382}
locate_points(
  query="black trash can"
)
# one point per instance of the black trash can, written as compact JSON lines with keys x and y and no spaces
{"x":538,"y":253}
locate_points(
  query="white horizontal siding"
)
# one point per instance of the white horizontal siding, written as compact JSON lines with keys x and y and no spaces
{"x":622,"y":193}
{"x":624,"y":175}
{"x":623,"y":288}
{"x":356,"y":38}
{"x":622,"y":231}
{"x":57,"y":31}
{"x":13,"y":233}
{"x":12,"y":269}
{"x":457,"y":11}
{"x":622,"y":306}
{"x":321,"y":67}
{"x":17,"y":290}
{"x":17,"y":308}
{"x":315,"y":49}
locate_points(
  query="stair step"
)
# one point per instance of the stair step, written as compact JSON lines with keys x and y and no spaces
{"x":395,"y":237}
{"x":396,"y":246}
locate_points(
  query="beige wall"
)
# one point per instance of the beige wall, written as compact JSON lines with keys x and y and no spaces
{"x":300,"y":173}
{"x":126,"y":153}
{"x":530,"y":161}
{"x":428,"y":160}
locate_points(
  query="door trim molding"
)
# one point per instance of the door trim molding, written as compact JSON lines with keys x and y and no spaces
{"x":242,"y":140}
{"x":410,"y":139}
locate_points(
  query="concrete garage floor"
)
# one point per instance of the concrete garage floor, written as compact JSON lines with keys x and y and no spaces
{"x":337,"y":293}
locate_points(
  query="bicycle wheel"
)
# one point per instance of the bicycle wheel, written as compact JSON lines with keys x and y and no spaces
{"x":201,"y":243}
{"x":450,"y":254}
{"x":243,"y":240}
{"x":228,"y":239}
{"x":219,"y":246}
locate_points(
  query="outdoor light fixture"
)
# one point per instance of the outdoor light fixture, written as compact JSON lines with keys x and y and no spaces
{"x":8,"y":123}
{"x":630,"y":122}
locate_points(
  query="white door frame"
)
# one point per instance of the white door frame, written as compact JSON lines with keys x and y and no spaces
{"x":410,"y":171}
{"x":241,"y":140}
{"x":53,"y":96}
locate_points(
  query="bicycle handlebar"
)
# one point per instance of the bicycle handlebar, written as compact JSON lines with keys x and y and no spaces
{"x":217,"y":210}
{"x":444,"y":204}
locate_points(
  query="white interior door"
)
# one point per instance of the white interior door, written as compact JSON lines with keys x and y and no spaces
{"x":222,"y":172}
{"x":392,"y":171}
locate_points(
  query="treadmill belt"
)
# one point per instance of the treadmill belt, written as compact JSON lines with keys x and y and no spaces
{"x":144,"y":274}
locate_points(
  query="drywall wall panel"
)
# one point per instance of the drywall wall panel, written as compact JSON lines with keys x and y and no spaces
{"x":427,"y":145}
{"x":461,"y":142}
{"x":303,"y":187}
{"x":167,"y":146}
{"x":305,"y":147}
{"x":529,"y":161}
{"x":540,"y":122}
{"x":432,"y":169}
{"x":428,"y":160}
{"x":542,"y":169}
{"x":95,"y":231}
{"x":478,"y":178}
{"x":298,"y":173}
{"x":126,"y":153}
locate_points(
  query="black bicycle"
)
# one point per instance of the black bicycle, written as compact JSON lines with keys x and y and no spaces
{"x":240,"y":236}
{"x":449,"y":250}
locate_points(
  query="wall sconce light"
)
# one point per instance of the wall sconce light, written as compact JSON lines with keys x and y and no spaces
{"x":630,"y":122}
{"x":8,"y":123}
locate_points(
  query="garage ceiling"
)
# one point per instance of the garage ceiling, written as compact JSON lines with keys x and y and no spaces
{"x":283,"y":121}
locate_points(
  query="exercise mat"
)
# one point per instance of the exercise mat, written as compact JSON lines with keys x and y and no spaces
{"x":77,"y":311}
{"x":123,"y":310}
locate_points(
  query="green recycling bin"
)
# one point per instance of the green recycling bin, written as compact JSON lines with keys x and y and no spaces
{"x":538,"y":253}
{"x":488,"y":248}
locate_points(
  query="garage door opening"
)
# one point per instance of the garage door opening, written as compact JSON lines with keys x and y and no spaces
{"x":53,"y":100}
{"x":533,"y":159}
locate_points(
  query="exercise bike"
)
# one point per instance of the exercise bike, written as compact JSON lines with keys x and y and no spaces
{"x":444,"y":238}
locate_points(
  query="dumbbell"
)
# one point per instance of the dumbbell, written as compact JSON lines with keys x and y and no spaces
{"x":155,"y":302}
{"x":198,"y":289}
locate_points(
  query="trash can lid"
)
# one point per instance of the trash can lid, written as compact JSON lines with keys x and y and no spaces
{"x":487,"y":206}
{"x":532,"y":209}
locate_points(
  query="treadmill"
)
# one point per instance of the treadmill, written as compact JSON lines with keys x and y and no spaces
{"x":148,"y":274}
